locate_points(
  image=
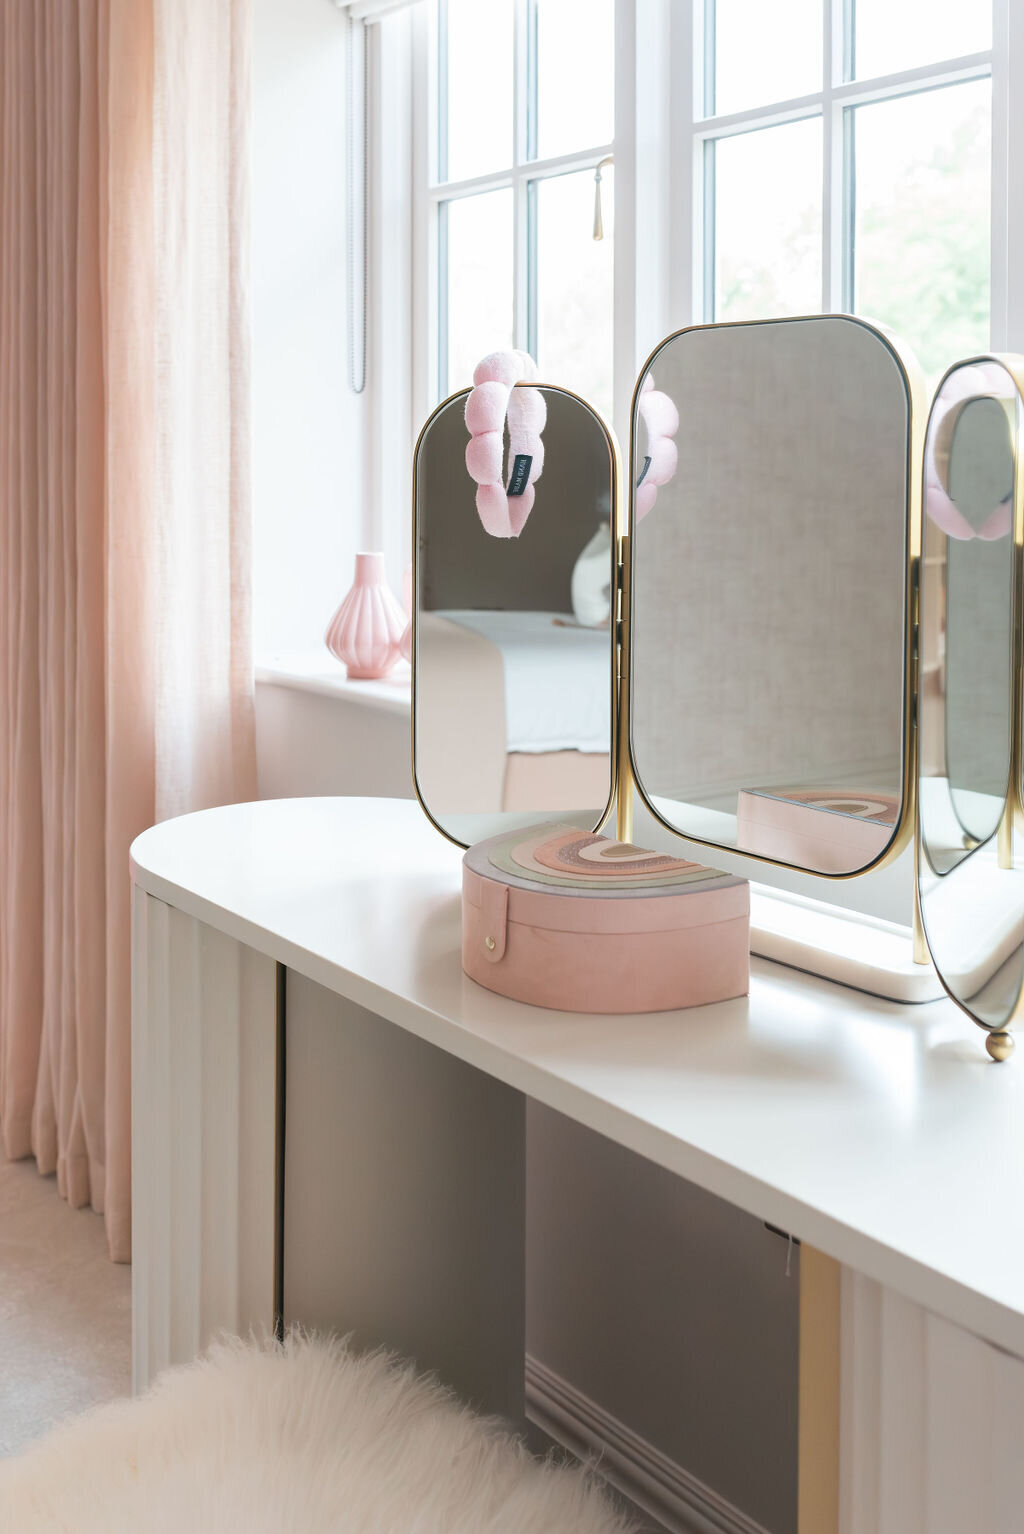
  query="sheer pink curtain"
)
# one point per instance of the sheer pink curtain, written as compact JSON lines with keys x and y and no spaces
{"x":125,"y":672}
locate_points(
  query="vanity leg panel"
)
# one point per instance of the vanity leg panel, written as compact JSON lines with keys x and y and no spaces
{"x":203,"y":1087}
{"x":932,"y":1421}
{"x":404,"y":1198}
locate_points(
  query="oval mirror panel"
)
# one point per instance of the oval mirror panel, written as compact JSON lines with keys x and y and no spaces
{"x":770,"y":541}
{"x":970,"y":875}
{"x":513,"y":681}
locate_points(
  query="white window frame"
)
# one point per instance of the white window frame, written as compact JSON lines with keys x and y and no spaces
{"x":1002,"y":63}
{"x":659,"y":147}
{"x":430,"y":195}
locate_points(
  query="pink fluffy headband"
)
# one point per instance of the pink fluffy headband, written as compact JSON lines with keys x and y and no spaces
{"x":661,"y":418}
{"x":495,"y":398}
{"x":981,"y":380}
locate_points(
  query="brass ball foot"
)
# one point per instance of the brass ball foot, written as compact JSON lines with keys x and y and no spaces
{"x":999,"y":1044}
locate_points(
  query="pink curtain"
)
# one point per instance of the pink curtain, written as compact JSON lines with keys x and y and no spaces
{"x":125,"y":669}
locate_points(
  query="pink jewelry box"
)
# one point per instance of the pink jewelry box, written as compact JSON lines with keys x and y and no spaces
{"x":563,"y":918}
{"x":835,"y":830}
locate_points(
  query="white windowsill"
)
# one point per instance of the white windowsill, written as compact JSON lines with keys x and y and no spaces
{"x":317,"y":671}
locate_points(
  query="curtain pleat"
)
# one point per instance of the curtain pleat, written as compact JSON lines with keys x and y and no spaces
{"x":125,"y":652}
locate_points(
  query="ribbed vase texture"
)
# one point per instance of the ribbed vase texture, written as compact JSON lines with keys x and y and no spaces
{"x":366,"y":631}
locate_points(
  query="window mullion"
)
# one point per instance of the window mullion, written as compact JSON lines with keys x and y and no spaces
{"x":707,"y":171}
{"x":833,"y":222}
{"x":430,"y":239}
{"x":702,"y":162}
{"x":1007,"y":218}
{"x":522,"y":74}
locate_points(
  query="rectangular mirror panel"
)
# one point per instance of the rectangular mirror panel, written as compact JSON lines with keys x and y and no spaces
{"x":513,"y":664}
{"x":971,"y":879}
{"x":769,"y":568}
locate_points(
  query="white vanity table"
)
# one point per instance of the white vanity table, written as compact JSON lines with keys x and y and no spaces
{"x":880,"y":1135}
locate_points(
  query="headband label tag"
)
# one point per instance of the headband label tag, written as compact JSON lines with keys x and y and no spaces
{"x":520,"y":473}
{"x":643,"y":471}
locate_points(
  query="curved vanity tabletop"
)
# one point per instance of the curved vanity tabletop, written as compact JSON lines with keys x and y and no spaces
{"x":879,"y":1133}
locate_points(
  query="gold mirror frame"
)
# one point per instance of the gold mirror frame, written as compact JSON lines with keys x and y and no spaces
{"x":618,"y":507}
{"x":913,"y":385}
{"x":999,"y":1041}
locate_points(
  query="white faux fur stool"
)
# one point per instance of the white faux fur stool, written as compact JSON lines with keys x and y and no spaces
{"x":300,"y":1439}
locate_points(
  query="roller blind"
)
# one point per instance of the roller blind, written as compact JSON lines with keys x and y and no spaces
{"x":360,"y":14}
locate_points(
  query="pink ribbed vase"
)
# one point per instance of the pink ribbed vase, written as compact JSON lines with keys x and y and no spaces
{"x":366,"y":631}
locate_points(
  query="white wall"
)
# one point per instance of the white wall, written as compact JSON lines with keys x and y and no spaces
{"x":307,"y":426}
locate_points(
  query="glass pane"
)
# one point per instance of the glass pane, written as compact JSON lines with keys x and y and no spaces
{"x":767,"y":222}
{"x":575,"y":53}
{"x":476,"y":53}
{"x":922,"y":165}
{"x":479,"y":238}
{"x":762,"y":52}
{"x":574,"y":285}
{"x":889,"y":35}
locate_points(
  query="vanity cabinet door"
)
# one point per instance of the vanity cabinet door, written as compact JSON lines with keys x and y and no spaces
{"x":403,"y":1197}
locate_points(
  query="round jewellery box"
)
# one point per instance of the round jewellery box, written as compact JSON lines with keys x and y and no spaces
{"x":559,"y":917}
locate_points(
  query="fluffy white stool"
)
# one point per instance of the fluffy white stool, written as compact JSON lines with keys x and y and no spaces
{"x":301,"y":1439}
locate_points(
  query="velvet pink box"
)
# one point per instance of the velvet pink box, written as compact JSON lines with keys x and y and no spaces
{"x":559,"y":917}
{"x":834,"y":830}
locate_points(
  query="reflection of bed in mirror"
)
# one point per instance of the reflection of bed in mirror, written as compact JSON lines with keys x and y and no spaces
{"x":541,"y":710}
{"x":769,"y":585}
{"x":513,"y":657}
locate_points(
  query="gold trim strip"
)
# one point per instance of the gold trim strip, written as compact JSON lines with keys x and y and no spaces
{"x":819,"y":1369}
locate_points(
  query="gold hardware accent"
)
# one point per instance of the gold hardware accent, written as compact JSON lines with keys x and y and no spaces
{"x":609,"y":159}
{"x":624,"y":767}
{"x":921,"y":953}
{"x":490,"y":943}
{"x":999,"y":1044}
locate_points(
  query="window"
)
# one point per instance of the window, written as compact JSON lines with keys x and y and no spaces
{"x":846,"y":158}
{"x":521,"y":115}
{"x":772,"y":159}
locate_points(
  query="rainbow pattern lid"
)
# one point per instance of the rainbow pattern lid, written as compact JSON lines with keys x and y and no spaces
{"x":856,"y":804}
{"x":583,"y":862}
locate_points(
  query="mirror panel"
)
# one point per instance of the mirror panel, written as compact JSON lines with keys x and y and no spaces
{"x":769,"y":559}
{"x":513,"y":663}
{"x":971,"y":876}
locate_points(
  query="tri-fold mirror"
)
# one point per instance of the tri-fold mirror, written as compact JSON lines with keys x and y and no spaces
{"x":736,"y":635}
